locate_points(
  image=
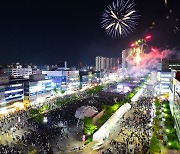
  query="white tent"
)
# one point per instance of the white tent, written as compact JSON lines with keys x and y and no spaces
{"x":104,"y":131}
{"x":85,"y":111}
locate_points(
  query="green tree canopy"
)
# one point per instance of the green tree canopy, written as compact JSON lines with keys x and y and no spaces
{"x":89,"y":127}
{"x":154,"y":145}
{"x":34,"y":112}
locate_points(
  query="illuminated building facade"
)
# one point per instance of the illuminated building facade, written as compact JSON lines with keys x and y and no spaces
{"x":89,"y":77}
{"x":164,"y":81}
{"x":175,"y":99}
{"x":38,"y":91}
{"x":63,"y":79}
{"x":11,"y":94}
{"x":19,"y":71}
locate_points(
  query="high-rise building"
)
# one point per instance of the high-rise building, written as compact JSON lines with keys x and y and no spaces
{"x":125,"y":54}
{"x":105,"y":63}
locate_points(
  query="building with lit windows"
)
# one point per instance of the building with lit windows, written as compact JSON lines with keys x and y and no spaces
{"x":163,"y":82}
{"x":11,"y":95}
{"x":19,"y":71}
{"x":106,"y":64}
{"x":37,"y":92}
{"x":63,"y":79}
{"x":89,"y":78}
{"x":174,"y":98}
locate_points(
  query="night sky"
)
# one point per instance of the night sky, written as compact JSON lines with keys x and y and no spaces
{"x":45,"y":32}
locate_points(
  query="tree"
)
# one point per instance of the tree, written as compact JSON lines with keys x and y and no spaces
{"x":89,"y":128}
{"x":44,"y":109}
{"x":34,"y":112}
{"x":131,"y":95}
{"x":39,"y":118}
{"x":58,"y":103}
{"x":154,"y":145}
{"x":157,"y":103}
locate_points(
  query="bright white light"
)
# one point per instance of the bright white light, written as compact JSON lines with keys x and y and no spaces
{"x":40,"y":99}
{"x":45,"y":120}
{"x":12,"y":91}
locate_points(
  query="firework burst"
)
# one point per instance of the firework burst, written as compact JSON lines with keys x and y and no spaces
{"x":120,"y":18}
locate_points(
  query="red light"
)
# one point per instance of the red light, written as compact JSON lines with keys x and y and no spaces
{"x":155,"y":50}
{"x":148,"y":37}
{"x":132,"y":45}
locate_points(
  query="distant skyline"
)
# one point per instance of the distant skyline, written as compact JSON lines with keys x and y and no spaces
{"x":45,"y":32}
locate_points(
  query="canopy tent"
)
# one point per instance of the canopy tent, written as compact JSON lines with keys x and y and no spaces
{"x":85,"y":111}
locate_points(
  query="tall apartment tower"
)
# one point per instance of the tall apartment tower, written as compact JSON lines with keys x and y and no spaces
{"x":105,"y":63}
{"x":125,"y":54}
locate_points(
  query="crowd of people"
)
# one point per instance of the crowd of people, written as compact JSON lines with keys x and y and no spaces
{"x":44,"y":136}
{"x":9,"y":125}
{"x":135,"y":130}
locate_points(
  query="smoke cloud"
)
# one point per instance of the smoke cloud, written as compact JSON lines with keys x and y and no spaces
{"x":148,"y":61}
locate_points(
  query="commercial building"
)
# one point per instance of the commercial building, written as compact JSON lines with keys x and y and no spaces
{"x":106,"y":64}
{"x":63,"y":79}
{"x":163,"y":82}
{"x":174,"y":98}
{"x":19,"y":71}
{"x":37,"y":77}
{"x":37,"y":92}
{"x":11,"y":95}
{"x":89,"y":77}
{"x":17,"y":93}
